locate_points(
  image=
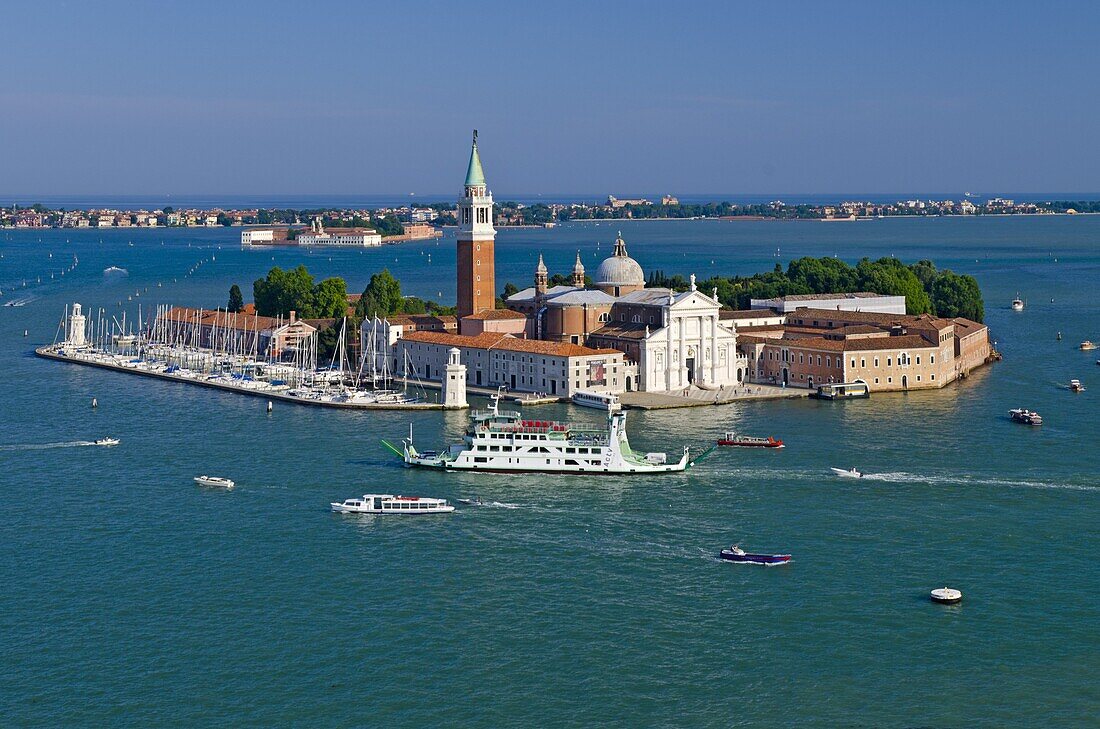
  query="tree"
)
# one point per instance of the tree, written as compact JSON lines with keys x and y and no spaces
{"x":388,"y":225}
{"x":330,"y":299}
{"x":382,"y":296}
{"x":955,"y":295}
{"x":509,"y":289}
{"x":282,"y":292}
{"x":891,"y":277}
{"x":236,"y":301}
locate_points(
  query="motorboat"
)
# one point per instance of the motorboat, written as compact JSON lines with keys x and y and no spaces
{"x":1076,"y":386}
{"x":1025,"y":416}
{"x":736,"y":554}
{"x":535,"y":398}
{"x":217,"y":481}
{"x":749,"y":441}
{"x":476,"y":501}
{"x":1087,"y":345}
{"x":1017,"y":303}
{"x":850,"y":473}
{"x":390,"y":504}
{"x":946,"y":596}
{"x":107,"y":442}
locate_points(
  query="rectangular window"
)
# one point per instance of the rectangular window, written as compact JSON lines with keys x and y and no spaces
{"x":876,"y":361}
{"x":932,"y":359}
{"x":918,"y":359}
{"x":888,"y":361}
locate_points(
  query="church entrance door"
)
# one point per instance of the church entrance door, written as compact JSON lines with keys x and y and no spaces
{"x":690,"y":361}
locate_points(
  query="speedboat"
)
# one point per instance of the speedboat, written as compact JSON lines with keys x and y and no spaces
{"x":749,"y":441}
{"x":1025,"y":416}
{"x":107,"y":442}
{"x":218,"y":481}
{"x":476,"y":501}
{"x":850,"y":473}
{"x":1076,"y":386}
{"x":1017,"y":303}
{"x":390,"y":504}
{"x":1086,"y":345}
{"x":736,"y":554}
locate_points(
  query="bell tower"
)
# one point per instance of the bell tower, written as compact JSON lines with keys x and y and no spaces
{"x":476,"y":235}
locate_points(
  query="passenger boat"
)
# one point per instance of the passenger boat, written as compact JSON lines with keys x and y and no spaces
{"x":503,"y":441}
{"x":736,"y":554}
{"x":1086,"y":345}
{"x":1025,"y":416}
{"x":598,"y":400}
{"x":1076,"y":386}
{"x":107,"y":442}
{"x":850,"y":473}
{"x":1017,"y":303}
{"x":749,"y":441}
{"x":390,"y":504}
{"x":217,"y":481}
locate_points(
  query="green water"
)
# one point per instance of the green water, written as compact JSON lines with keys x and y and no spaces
{"x":133,"y":597}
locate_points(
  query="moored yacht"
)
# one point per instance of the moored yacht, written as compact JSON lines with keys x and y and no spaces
{"x":390,"y":504}
{"x":503,"y":441}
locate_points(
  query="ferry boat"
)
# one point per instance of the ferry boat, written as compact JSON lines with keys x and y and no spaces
{"x":599,"y":400}
{"x":1025,"y":416}
{"x":502,"y":441}
{"x":749,"y":441}
{"x":390,"y":504}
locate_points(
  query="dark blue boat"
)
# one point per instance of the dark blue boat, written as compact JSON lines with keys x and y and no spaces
{"x":736,"y":554}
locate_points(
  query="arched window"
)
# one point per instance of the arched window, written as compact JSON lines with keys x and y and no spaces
{"x":605,"y":317}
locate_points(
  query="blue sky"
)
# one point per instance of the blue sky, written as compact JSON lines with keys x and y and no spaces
{"x":363,"y":98}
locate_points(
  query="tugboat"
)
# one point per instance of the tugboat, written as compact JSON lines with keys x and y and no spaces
{"x":1017,"y":303}
{"x":503,"y":442}
{"x":1025,"y":416}
{"x":736,"y":554}
{"x":1076,"y":386}
{"x":748,"y":441}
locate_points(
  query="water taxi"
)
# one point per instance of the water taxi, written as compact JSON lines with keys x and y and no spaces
{"x":390,"y":504}
{"x":1087,"y":345}
{"x":107,"y":442}
{"x":598,"y":400}
{"x":1076,"y":386}
{"x":849,"y":473}
{"x":503,"y":441}
{"x":749,"y":441}
{"x":217,"y":481}
{"x":740,"y":556}
{"x":1025,"y":416}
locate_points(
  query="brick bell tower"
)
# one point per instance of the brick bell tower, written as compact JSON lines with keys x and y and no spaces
{"x":476,"y":255}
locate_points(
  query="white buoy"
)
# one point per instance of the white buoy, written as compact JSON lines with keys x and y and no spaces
{"x":26,"y":332}
{"x":95,"y":403}
{"x":946,"y":596}
{"x":269,"y":406}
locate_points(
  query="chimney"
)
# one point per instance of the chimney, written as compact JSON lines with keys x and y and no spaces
{"x":293,"y":315}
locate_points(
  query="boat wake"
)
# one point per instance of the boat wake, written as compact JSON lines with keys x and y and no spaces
{"x":44,"y":446}
{"x":904,"y":477}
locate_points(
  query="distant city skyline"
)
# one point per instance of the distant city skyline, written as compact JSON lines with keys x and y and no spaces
{"x":329,"y":100}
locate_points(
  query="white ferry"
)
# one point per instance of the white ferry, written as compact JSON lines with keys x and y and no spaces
{"x":503,"y":441}
{"x":599,"y":400}
{"x":390,"y":504}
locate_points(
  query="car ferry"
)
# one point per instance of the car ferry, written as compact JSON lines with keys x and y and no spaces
{"x":502,"y":441}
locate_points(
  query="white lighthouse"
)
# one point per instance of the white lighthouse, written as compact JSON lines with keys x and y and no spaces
{"x":454,"y":381}
{"x":74,"y":328}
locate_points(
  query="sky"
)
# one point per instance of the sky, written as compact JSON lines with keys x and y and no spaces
{"x":286,"y":98}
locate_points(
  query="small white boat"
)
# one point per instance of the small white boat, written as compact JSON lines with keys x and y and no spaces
{"x":218,"y":481}
{"x":849,"y":473}
{"x":946,"y":596}
{"x":1017,"y":303}
{"x":1087,"y":345}
{"x":107,"y":442}
{"x":1076,"y":386}
{"x":390,"y":504}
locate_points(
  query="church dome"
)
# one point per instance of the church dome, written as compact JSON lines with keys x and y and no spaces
{"x":620,"y":269}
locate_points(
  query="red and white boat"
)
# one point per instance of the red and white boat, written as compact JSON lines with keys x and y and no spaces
{"x":749,"y":441}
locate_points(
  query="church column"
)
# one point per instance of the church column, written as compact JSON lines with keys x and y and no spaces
{"x":714,"y":350}
{"x":683,"y":352}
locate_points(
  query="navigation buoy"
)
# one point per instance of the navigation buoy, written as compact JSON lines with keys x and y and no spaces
{"x":269,"y":406}
{"x":26,"y":332}
{"x":946,"y":596}
{"x":95,"y":403}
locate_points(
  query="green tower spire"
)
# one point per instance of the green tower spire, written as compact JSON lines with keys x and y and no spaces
{"x":474,"y":174}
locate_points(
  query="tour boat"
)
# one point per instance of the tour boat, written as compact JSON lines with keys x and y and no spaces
{"x":850,"y":473}
{"x":107,"y":442}
{"x":503,"y":441}
{"x":736,"y":554}
{"x":598,"y":400}
{"x":1017,"y":303}
{"x":218,"y":481}
{"x":749,"y":441}
{"x":1076,"y":386}
{"x":390,"y":504}
{"x":1025,"y":416}
{"x":1086,"y":345}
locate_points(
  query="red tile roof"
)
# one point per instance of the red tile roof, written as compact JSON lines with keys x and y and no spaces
{"x":495,"y":315}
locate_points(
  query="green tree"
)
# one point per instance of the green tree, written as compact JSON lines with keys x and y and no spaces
{"x":236,"y":301}
{"x":281,"y":292}
{"x":955,"y":295}
{"x":330,"y":299}
{"x":891,"y":277}
{"x":509,"y":289}
{"x":382,"y":296}
{"x":925,"y":272}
